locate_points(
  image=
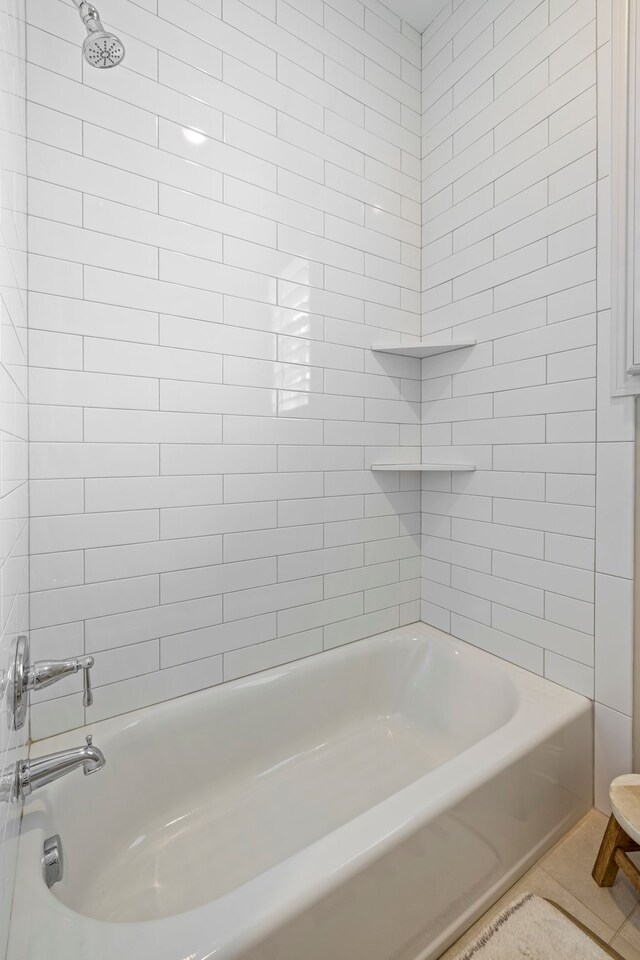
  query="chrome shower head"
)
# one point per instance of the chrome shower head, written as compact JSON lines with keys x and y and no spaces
{"x":100,"y":49}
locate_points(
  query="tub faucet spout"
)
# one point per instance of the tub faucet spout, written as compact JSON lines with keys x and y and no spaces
{"x":30,"y":775}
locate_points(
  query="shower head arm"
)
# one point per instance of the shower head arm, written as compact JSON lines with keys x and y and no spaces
{"x":89,"y":15}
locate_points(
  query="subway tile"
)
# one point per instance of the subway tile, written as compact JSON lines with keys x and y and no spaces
{"x":571,"y":488}
{"x":242,"y":488}
{"x":136,"y":493}
{"x":542,"y":633}
{"x":301,"y":201}
{"x":500,"y":589}
{"x":168,"y":165}
{"x":328,"y":509}
{"x":488,"y":483}
{"x":56,"y":92}
{"x":568,"y":673}
{"x":615,"y":509}
{"x":142,"y":293}
{"x":55,"y":350}
{"x":346,"y":80}
{"x":457,"y":601}
{"x":537,"y":161}
{"x":500,"y":430}
{"x":612,"y":751}
{"x":462,"y":553}
{"x":56,"y":497}
{"x":181,"y":585}
{"x":68,"y":460}
{"x":189,"y":397}
{"x":156,"y":556}
{"x":271,"y":430}
{"x":210,"y":458}
{"x":549,"y":458}
{"x":83,"y":318}
{"x":249,"y":603}
{"x":297,"y":566}
{"x":71,"y":388}
{"x":56,"y":202}
{"x":517,"y":651}
{"x":142,"y":227}
{"x":529,"y":543}
{"x":209,"y":91}
{"x":68,"y":604}
{"x":179,"y":522}
{"x":355,"y":628}
{"x":138,"y":660}
{"x":206,"y":31}
{"x":211,"y":641}
{"x":571,"y":551}
{"x":50,"y":534}
{"x":614,"y":642}
{"x":150,"y":426}
{"x":187,"y":271}
{"x":505,"y":376}
{"x":122,"y":629}
{"x":109,"y":356}
{"x":571,"y":613}
{"x":551,"y":517}
{"x":558,"y":337}
{"x":49,"y":275}
{"x":552,"y":398}
{"x":215,"y":337}
{"x":547,"y":280}
{"x":321,"y":613}
{"x":271,"y":543}
{"x":363,"y":578}
{"x":51,"y":571}
{"x":545,"y":575}
{"x":241,"y":215}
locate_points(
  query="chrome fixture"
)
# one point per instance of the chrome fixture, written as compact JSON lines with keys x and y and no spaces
{"x":52,"y":861}
{"x":100,"y":49}
{"x":30,"y":775}
{"x":26,"y":676}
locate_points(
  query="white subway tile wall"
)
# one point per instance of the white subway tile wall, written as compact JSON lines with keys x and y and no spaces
{"x":220,"y":229}
{"x":524,"y":558}
{"x":14,"y":567}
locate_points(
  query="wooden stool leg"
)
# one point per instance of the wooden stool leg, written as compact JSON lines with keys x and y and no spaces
{"x":606,"y":868}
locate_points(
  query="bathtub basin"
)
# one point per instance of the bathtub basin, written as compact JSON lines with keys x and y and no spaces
{"x":364,"y":804}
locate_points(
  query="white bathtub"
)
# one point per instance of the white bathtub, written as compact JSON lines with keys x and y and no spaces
{"x":364,"y":804}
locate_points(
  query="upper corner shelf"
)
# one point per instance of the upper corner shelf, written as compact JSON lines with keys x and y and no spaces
{"x":422,"y":350}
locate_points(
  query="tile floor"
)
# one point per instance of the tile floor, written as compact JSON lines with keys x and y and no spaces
{"x":564,"y":875}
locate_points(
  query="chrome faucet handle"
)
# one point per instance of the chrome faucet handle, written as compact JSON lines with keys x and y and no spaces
{"x":86,"y":664}
{"x":26,"y":676}
{"x":45,"y":672}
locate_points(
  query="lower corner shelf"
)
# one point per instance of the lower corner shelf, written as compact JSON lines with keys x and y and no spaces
{"x":423,"y":467}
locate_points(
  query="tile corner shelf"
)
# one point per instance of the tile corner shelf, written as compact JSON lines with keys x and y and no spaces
{"x":422,"y":350}
{"x":423,"y":467}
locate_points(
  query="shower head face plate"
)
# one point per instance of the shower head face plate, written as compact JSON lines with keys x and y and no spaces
{"x":103,"y":50}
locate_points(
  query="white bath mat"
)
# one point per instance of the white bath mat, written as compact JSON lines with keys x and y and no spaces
{"x":532,"y":929}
